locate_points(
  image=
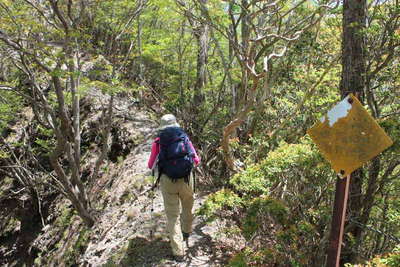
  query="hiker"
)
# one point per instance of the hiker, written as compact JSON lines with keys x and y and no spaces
{"x":170,"y":139}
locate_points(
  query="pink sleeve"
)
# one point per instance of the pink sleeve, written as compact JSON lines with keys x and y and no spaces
{"x":155,"y":149}
{"x":196,"y":158}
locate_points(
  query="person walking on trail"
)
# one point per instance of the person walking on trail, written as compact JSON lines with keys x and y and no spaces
{"x":174,"y":156}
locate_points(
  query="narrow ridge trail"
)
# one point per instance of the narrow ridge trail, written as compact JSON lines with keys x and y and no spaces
{"x":131,"y":226}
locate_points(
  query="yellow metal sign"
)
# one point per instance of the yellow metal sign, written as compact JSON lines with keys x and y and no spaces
{"x":348,"y":136}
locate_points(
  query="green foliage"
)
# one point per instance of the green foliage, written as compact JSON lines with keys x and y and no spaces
{"x":392,"y":128}
{"x":239,"y":260}
{"x":292,"y":162}
{"x":261,"y":257}
{"x":79,"y":247}
{"x":260,"y":211}
{"x":99,"y":69}
{"x":10,"y":105}
{"x":9,"y":225}
{"x":392,"y":260}
{"x":44,"y":142}
{"x":223,"y":199}
{"x":65,"y":217}
{"x":388,"y":260}
{"x":4,"y":154}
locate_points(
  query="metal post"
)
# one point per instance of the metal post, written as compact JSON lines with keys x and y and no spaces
{"x":338,"y":219}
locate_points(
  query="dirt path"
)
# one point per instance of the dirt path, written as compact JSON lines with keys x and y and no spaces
{"x":140,"y":239}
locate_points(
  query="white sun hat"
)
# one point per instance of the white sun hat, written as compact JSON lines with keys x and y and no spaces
{"x":168,"y":120}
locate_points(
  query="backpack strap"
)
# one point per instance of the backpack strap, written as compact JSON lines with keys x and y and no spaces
{"x":186,"y":179}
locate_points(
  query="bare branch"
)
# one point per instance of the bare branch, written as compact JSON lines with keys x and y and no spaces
{"x":273,"y":55}
{"x":386,"y":176}
{"x":6,"y":88}
{"x":137,"y":10}
{"x":18,"y":47}
{"x":106,"y":129}
{"x":295,"y":36}
{"x":262,"y":10}
{"x":69,"y":10}
{"x":60,"y":16}
{"x":63,"y":113}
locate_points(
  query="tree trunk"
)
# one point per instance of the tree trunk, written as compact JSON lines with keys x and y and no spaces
{"x":368,"y":200}
{"x":139,"y":44}
{"x":202,"y":36}
{"x":68,"y":143}
{"x":353,"y":81}
{"x":231,"y":56}
{"x":181,"y":59}
{"x":245,"y":34}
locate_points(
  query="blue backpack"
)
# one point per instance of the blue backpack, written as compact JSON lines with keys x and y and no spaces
{"x":176,"y":157}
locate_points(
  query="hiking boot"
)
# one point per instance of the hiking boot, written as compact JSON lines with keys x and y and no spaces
{"x":185,"y":235}
{"x":179,"y":258}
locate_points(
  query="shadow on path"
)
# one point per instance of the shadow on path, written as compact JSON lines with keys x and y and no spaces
{"x":203,"y":251}
{"x":142,"y":252}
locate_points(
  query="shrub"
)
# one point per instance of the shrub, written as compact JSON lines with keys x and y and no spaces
{"x":281,"y":205}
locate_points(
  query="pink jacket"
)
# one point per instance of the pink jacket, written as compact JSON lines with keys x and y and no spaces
{"x":155,"y":149}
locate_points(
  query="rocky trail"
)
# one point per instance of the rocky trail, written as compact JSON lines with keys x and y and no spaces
{"x":130,"y":228}
{"x":133,"y":233}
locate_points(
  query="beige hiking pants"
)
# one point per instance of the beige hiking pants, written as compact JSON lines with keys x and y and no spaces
{"x":177,"y":194}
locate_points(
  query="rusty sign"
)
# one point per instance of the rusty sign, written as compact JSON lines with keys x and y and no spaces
{"x":348,"y":136}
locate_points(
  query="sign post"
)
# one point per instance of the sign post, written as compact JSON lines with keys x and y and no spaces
{"x":347,"y":137}
{"x":338,"y":220}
